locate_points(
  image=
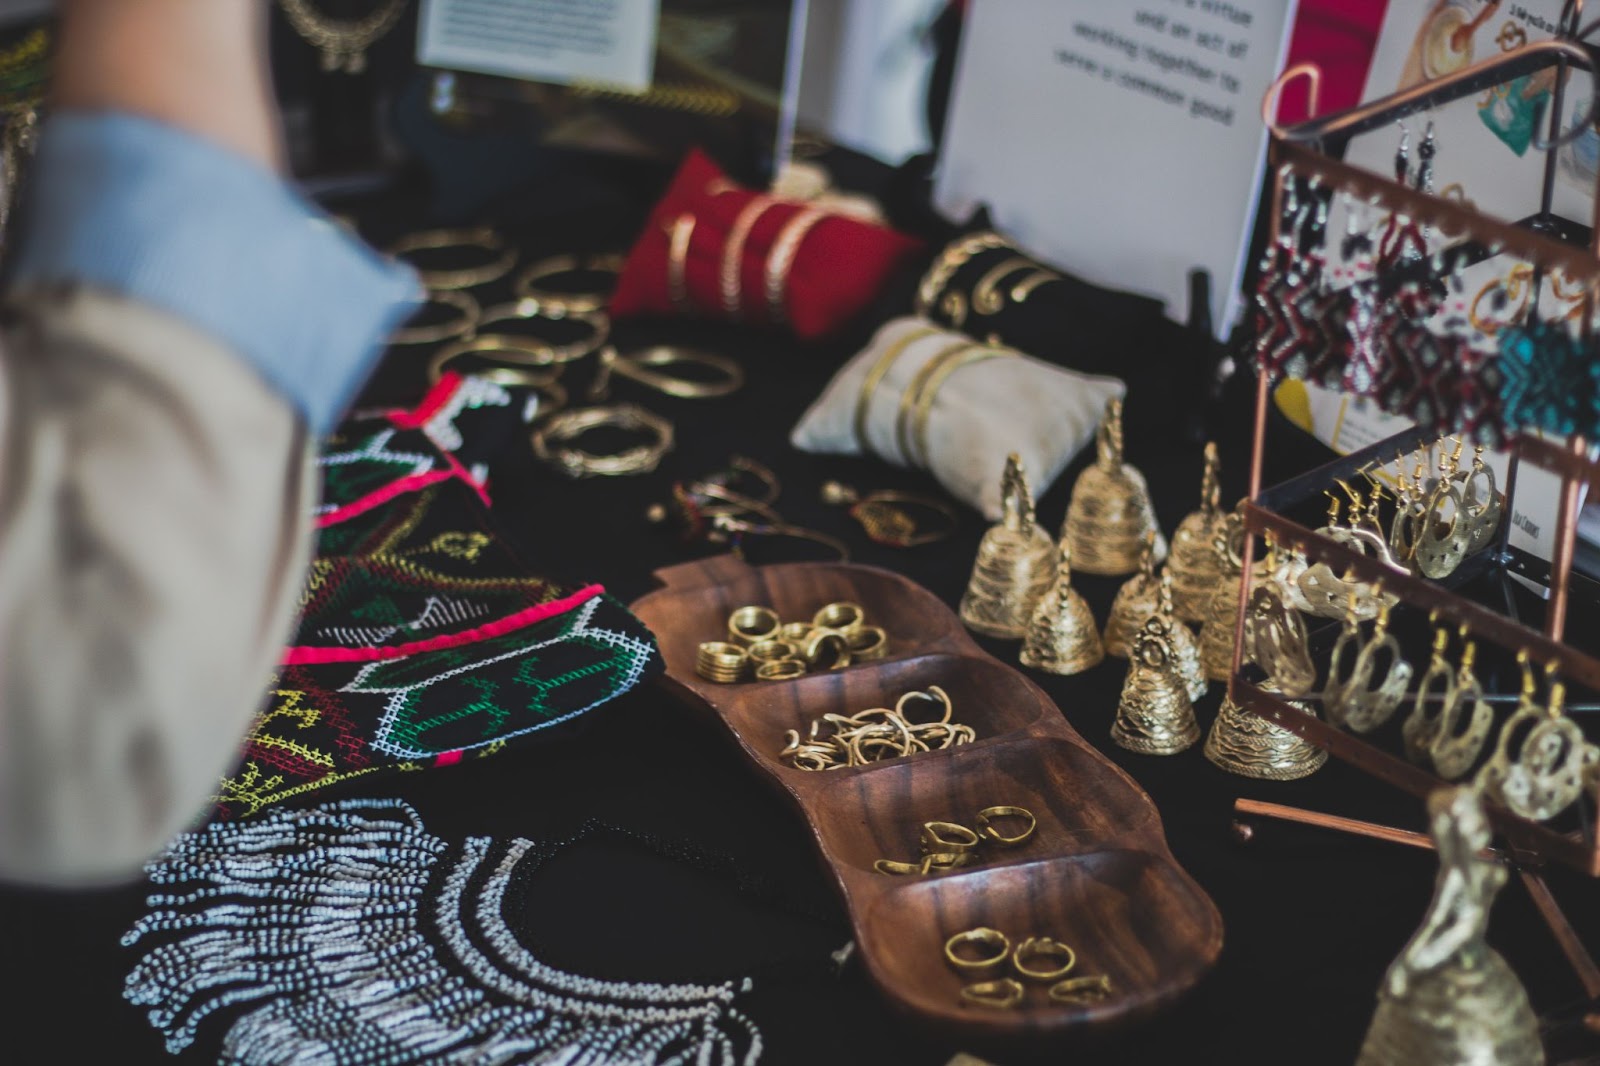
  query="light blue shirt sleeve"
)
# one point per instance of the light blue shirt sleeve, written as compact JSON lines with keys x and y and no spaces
{"x":172,"y":220}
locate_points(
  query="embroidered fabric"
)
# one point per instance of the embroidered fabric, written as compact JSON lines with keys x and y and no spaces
{"x":349,"y":933}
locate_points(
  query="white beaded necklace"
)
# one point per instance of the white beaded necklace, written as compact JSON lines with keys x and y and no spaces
{"x":312,"y":922}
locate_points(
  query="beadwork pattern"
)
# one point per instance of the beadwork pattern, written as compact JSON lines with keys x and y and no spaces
{"x":347,"y":933}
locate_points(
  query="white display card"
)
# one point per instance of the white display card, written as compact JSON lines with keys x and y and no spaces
{"x":606,"y":42}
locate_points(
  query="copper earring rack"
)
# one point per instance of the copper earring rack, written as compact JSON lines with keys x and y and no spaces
{"x":1301,"y":152}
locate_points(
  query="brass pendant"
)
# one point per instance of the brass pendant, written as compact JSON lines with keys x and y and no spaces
{"x":1110,"y":513}
{"x":1154,"y":716}
{"x":1244,"y":743}
{"x":1062,"y":638}
{"x":1015,"y":567}
{"x":1193,"y":564}
{"x":1449,"y":997}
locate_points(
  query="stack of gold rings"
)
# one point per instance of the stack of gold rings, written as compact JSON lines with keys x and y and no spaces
{"x":837,"y":741}
{"x":775,"y":650}
{"x":950,"y":845}
{"x":984,"y":953}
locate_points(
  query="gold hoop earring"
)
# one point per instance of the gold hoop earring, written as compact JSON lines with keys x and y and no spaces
{"x":1484,"y":502}
{"x":1276,"y":637}
{"x":1353,"y":702}
{"x":1465,"y":724}
{"x":1420,"y":726}
{"x":1443,"y":541}
{"x":1542,"y":762}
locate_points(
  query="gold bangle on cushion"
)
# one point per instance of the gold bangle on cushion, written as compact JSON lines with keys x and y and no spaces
{"x":908,"y":396}
{"x":1081,"y":991}
{"x":977,"y":951}
{"x":989,"y":815}
{"x":577,"y":463}
{"x":555,"y":303}
{"x":1057,"y":959}
{"x":919,"y":396}
{"x":466,"y":321}
{"x":542,"y":351}
{"x":1024,"y":288}
{"x":498,"y":349}
{"x":635,"y":366}
{"x":780,"y":260}
{"x":682,"y":233}
{"x":986,"y":296}
{"x":1004,"y":994}
{"x":953,"y":258}
{"x":733,"y":253}
{"x":880,"y":370}
{"x":751,"y":625}
{"x":504,"y":256}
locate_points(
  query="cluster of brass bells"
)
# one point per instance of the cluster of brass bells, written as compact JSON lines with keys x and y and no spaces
{"x":1450,"y":998}
{"x":1110,"y":514}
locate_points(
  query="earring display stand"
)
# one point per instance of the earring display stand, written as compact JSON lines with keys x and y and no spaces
{"x":1301,"y":153}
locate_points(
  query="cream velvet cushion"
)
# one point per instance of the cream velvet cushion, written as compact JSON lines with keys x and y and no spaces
{"x":994,"y":401}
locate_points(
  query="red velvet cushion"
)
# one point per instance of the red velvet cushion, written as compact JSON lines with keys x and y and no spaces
{"x":839,"y":266}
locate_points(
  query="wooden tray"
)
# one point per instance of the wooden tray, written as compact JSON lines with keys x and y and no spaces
{"x":1097,"y":873}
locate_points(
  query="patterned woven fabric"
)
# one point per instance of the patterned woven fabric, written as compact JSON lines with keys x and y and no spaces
{"x":423,"y":639}
{"x":1548,"y":379}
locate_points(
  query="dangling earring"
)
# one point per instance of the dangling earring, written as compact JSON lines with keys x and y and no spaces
{"x":1410,"y":511}
{"x":1542,"y":761}
{"x":1349,"y":699}
{"x":1465,"y":724}
{"x":1484,"y":502}
{"x":1275,"y":636}
{"x":1328,"y":596}
{"x":1442,"y":544}
{"x":1428,"y":709}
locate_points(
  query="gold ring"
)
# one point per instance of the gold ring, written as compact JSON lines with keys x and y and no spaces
{"x":462,"y":278}
{"x":948,"y":837}
{"x":780,"y":670}
{"x":945,"y":860}
{"x":1081,"y":991}
{"x":897,"y":869}
{"x":496,"y":349}
{"x":556,"y":304}
{"x":994,"y":836}
{"x":1004,"y":994}
{"x":935,"y":693}
{"x":466,"y":321}
{"x":1043,"y":947}
{"x":795,"y":632}
{"x":770,"y":651}
{"x":577,"y":463}
{"x":866,"y":643}
{"x":752,"y":624}
{"x":543,"y":351}
{"x":991,"y":946}
{"x":721,"y":662}
{"x":826,"y":650}
{"x":839,"y":617}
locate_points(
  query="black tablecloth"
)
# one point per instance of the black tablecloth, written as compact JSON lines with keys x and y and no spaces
{"x":717,"y":878}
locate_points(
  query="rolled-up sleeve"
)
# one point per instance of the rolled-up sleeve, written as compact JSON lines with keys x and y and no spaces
{"x":179,"y":325}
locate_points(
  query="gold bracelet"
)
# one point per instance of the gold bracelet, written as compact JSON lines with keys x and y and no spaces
{"x":1024,"y":288}
{"x":953,"y":258}
{"x":908,"y":395}
{"x":733,"y":253}
{"x":497,"y":349}
{"x":880,"y":370}
{"x":556,"y":304}
{"x":464,"y":277}
{"x":343,"y":42}
{"x":635,"y":366}
{"x":540,"y":351}
{"x":577,"y":463}
{"x":986,"y":297}
{"x":780,"y":260}
{"x":678,"y":264}
{"x":443,"y":331}
{"x":930,"y":389}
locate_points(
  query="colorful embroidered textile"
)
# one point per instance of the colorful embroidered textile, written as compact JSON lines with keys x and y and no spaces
{"x":347,"y":933}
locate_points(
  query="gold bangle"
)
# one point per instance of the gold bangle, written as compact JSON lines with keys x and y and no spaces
{"x":880,"y":370}
{"x":577,"y":463}
{"x":930,"y":389}
{"x":542,"y":352}
{"x":443,"y":331}
{"x":989,"y":815}
{"x":733,"y":253}
{"x":678,"y":264}
{"x":499,"y":349}
{"x":634,"y":367}
{"x":986,"y":297}
{"x":953,"y":258}
{"x":556,"y":304}
{"x":462,"y":277}
{"x":926,"y":382}
{"x":1043,"y":947}
{"x":780,"y":260}
{"x":992,"y":944}
{"x":1024,"y":288}
{"x":751,"y":625}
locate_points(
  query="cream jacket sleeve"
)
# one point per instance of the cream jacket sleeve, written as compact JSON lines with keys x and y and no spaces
{"x":155,"y":488}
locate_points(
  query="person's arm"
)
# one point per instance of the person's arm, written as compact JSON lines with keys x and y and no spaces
{"x":180,"y":325}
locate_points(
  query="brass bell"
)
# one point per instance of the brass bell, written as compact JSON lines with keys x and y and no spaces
{"x":1110,"y":513}
{"x":1062,"y":638}
{"x":1244,"y":743}
{"x":1015,"y":567}
{"x":1185,"y":646}
{"x":1136,"y":600}
{"x":1154,"y":716}
{"x":1193,"y":564}
{"x":1222,"y":608}
{"x":1450,"y":997}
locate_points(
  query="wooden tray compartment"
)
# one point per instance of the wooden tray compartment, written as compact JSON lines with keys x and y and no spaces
{"x":1097,"y":874}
